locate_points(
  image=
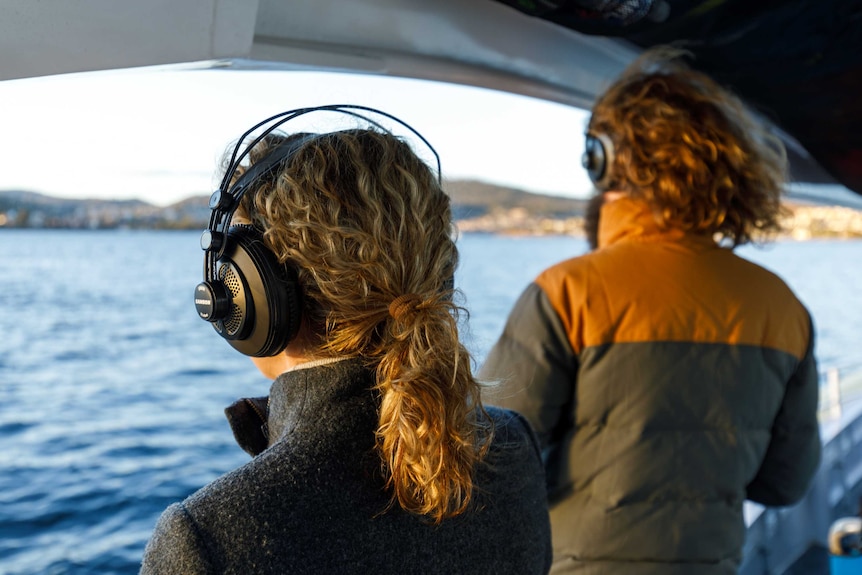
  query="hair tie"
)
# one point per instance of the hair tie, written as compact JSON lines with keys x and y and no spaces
{"x":404,"y":305}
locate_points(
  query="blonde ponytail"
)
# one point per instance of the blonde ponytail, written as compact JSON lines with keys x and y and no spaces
{"x":428,"y":434}
{"x":369,"y":230}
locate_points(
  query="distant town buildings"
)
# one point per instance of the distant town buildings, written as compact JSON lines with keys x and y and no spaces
{"x":806,"y":222}
{"x":30,"y":210}
{"x":803,"y":222}
{"x":521,"y":222}
{"x":478,"y":208}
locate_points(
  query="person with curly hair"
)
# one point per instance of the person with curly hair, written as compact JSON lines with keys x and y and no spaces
{"x":373,"y":452}
{"x":668,"y":379}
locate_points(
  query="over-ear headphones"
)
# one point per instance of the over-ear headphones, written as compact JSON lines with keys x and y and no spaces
{"x":253,"y":300}
{"x":598,"y":158}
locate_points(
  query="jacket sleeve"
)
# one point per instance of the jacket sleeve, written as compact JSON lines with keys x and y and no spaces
{"x":532,"y":368}
{"x":175,"y":547}
{"x":794,"y":449}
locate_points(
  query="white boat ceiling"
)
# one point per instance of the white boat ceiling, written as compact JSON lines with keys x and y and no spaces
{"x":481,"y":43}
{"x":478,"y":42}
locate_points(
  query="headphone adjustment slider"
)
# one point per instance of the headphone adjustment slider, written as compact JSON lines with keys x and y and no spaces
{"x":221,"y":201}
{"x":212,"y":241}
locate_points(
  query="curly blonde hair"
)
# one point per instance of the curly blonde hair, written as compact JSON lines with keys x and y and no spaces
{"x":366,"y":222}
{"x":690,"y":149}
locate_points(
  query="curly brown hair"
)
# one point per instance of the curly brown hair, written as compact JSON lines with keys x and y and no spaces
{"x":691,"y":149}
{"x":366,"y":222}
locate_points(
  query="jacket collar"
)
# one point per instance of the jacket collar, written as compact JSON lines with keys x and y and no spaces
{"x":630,"y":219}
{"x":299,"y":395}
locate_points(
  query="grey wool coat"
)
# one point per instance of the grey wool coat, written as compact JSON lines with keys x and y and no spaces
{"x":313,"y":499}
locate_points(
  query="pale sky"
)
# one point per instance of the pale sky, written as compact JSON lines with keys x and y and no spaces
{"x":157,"y":134}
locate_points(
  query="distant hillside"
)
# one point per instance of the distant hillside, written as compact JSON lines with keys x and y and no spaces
{"x":472,"y":199}
{"x":25,"y":209}
{"x":477,"y":207}
{"x":18,"y":198}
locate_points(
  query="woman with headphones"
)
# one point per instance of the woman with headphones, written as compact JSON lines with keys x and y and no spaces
{"x":373,"y":452}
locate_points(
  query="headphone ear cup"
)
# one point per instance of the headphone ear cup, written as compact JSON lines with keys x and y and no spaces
{"x":598,"y":159}
{"x":265,"y":296}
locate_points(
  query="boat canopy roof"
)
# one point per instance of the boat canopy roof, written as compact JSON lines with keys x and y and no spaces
{"x":796,"y":63}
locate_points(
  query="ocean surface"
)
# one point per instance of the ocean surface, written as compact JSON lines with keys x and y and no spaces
{"x":112,"y":390}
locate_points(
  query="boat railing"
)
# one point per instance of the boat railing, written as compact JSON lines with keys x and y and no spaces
{"x":836,"y":391}
{"x":779,"y":537}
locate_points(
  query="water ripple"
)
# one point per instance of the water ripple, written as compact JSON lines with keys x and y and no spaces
{"x":112,"y":390}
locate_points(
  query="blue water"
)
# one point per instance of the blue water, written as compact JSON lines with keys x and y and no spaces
{"x":112,"y":390}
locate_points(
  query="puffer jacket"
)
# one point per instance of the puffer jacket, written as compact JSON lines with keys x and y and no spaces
{"x":668,"y":380}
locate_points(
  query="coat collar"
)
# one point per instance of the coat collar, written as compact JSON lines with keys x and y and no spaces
{"x":630,"y":219}
{"x":299,"y":395}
